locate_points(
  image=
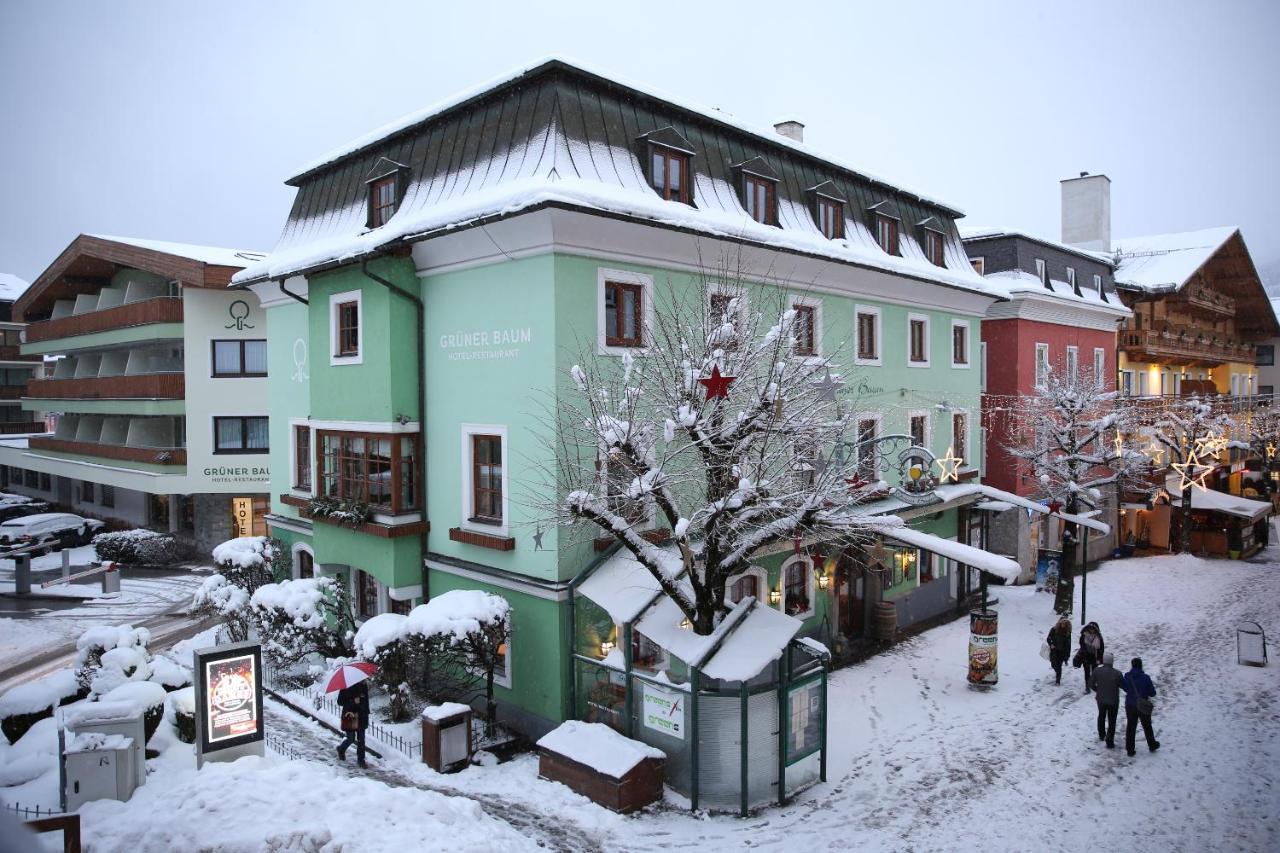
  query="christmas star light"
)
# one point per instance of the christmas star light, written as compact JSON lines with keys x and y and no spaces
{"x":949,"y":466}
{"x":1188,"y":476}
{"x":1271,"y":451}
{"x":717,"y":385}
{"x":1055,"y":506}
{"x":1155,"y":452}
{"x":1119,"y":443}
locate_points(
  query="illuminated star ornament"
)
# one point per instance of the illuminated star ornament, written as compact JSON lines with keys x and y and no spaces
{"x":878,"y":555}
{"x":717,"y":385}
{"x":1188,"y":474}
{"x":1155,"y":451}
{"x":1271,"y":451}
{"x":949,"y":466}
{"x":1119,"y":443}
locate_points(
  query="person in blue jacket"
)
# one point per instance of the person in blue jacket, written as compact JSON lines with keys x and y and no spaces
{"x":1137,"y":686}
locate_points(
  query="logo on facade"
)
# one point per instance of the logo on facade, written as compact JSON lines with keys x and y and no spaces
{"x":300,"y":361}
{"x":239,"y":311}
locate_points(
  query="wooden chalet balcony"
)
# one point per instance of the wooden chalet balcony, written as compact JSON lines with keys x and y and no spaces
{"x":21,"y":427}
{"x":12,"y":392}
{"x":10,"y":352}
{"x":153,"y":455}
{"x":1206,"y":301}
{"x":162,"y":309}
{"x":1181,"y":347}
{"x":147,"y":386}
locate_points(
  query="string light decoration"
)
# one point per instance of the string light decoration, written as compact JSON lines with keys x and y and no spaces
{"x":1188,"y":474}
{"x":949,"y":466}
{"x":1271,"y":451}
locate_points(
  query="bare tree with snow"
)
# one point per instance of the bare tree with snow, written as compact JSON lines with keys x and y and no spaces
{"x":1068,"y":437}
{"x":723,"y":427}
{"x":1191,"y":434}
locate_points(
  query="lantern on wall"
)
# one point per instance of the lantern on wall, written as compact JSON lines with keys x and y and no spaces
{"x":606,"y":646}
{"x":775,"y":596}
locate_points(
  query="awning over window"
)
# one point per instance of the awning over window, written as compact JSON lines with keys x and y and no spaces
{"x":1001,"y":567}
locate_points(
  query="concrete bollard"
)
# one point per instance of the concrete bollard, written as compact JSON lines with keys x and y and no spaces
{"x":111,"y":579}
{"x":22,"y":574}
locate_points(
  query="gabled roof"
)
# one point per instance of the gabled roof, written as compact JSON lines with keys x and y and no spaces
{"x":89,"y":262}
{"x":559,"y":136}
{"x":11,"y":287}
{"x":1167,"y":261}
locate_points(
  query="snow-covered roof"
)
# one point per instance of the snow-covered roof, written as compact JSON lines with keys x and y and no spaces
{"x":1020,"y":283}
{"x":11,"y":287}
{"x":1210,"y":500}
{"x":598,"y":747}
{"x":205,"y":254}
{"x":982,"y":232}
{"x":1166,"y":261}
{"x":621,"y":586}
{"x":1001,"y":567}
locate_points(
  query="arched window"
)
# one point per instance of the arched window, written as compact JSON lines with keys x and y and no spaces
{"x":797,"y":587}
{"x":306,"y":564}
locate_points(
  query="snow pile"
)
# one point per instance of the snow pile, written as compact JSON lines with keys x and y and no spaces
{"x":456,"y":613}
{"x":34,"y":696}
{"x":169,"y":673}
{"x":92,"y":713}
{"x":108,"y":656}
{"x":247,"y":552}
{"x":183,"y":701}
{"x":598,"y":747}
{"x":220,"y":595}
{"x":90,"y":741}
{"x":121,"y":666}
{"x":32,"y":756}
{"x":378,"y":632}
{"x":145,"y":693}
{"x":301,"y":600}
{"x":236,"y":807}
{"x":444,"y":710}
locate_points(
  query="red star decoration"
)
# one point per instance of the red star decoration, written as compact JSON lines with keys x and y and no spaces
{"x":717,"y":385}
{"x":796,"y":543}
{"x":1055,"y":506}
{"x":856,"y":482}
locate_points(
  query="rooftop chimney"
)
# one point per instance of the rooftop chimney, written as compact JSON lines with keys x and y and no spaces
{"x":1086,"y":212}
{"x":790,"y":129}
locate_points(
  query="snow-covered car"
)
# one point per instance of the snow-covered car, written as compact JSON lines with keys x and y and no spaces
{"x":18,"y":510}
{"x":47,"y":531}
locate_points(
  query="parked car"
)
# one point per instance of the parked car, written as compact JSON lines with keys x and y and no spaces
{"x":18,"y":510}
{"x":48,"y":531}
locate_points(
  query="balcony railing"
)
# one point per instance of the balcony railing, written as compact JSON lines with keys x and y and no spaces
{"x":152,"y":455}
{"x":12,"y":392}
{"x":11,"y":352}
{"x":22,"y":427}
{"x":1207,"y":301}
{"x":162,"y":309}
{"x":146,"y":386}
{"x":1182,"y":346}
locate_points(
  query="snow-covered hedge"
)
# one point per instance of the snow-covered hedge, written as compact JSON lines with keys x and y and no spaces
{"x":142,"y":547}
{"x":109,"y":656}
{"x":295,"y":618}
{"x":27,"y":704}
{"x":246,"y":552}
{"x":183,"y":704}
{"x":148,"y":695}
{"x":244,"y":565}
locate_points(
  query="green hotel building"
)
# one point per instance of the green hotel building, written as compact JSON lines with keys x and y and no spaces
{"x":437,"y":278}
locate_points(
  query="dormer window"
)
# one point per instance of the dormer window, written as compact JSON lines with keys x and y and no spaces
{"x":831,"y":218}
{"x":887,"y":233}
{"x":669,"y":173}
{"x":386,"y":183}
{"x":761,"y":203}
{"x":1042,"y":272}
{"x":935,"y":247}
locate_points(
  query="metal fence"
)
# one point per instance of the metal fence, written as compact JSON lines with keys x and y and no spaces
{"x":31,"y":812}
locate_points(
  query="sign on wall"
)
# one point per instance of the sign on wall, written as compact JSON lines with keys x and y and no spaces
{"x":664,"y":711}
{"x":242,"y":513}
{"x":228,"y":702}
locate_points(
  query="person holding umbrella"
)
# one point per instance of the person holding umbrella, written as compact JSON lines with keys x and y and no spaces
{"x":351,"y":680}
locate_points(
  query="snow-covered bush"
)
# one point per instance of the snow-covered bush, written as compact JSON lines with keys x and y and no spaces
{"x":183,"y":705}
{"x":107,"y":657}
{"x":218,"y":596}
{"x":382,"y":640}
{"x":296,"y":618}
{"x":169,"y":674}
{"x":244,"y":565}
{"x":147,"y":694}
{"x":27,"y":704}
{"x":142,"y":547}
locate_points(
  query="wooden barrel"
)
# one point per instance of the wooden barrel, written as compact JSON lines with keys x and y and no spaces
{"x":884,"y":621}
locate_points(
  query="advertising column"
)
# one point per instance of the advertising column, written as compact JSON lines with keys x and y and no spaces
{"x":983,"y":626}
{"x":228,"y":702}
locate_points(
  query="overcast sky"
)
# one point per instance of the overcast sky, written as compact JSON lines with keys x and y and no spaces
{"x":180,"y":121}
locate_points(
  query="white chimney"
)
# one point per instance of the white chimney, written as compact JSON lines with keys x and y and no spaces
{"x":790,"y":129}
{"x":1086,"y":212}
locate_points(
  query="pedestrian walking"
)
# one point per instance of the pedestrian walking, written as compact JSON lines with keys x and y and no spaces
{"x":1091,"y":651}
{"x":1106,"y":683}
{"x":1138,"y":693}
{"x":354,"y":702}
{"x":1059,"y":640}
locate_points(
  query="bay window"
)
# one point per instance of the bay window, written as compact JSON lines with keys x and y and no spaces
{"x":378,"y":469}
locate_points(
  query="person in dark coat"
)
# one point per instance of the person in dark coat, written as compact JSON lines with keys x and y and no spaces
{"x":1059,"y":640}
{"x":1137,"y":684}
{"x":1091,"y":651}
{"x":354,"y":699}
{"x":1106,"y":683}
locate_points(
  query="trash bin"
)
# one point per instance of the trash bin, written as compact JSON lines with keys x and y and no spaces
{"x":111,"y":579}
{"x":446,"y":736}
{"x":97,"y":766}
{"x":1251,"y":644}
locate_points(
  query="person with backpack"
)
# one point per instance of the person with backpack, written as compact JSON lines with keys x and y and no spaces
{"x":1059,"y":640}
{"x":1091,"y":651}
{"x":354,"y":702}
{"x":1106,"y":683}
{"x":1138,"y":706}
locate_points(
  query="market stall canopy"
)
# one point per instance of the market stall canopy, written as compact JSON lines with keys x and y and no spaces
{"x":1211,"y":501}
{"x":1001,"y":567}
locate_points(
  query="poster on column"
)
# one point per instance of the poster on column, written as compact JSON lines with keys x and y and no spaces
{"x":228,"y":692}
{"x":983,"y":625}
{"x":1048,"y":568}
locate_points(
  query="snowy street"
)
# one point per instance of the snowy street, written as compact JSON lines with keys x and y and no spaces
{"x":918,"y":760}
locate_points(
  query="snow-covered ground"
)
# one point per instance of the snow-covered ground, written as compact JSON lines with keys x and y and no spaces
{"x":918,"y":761}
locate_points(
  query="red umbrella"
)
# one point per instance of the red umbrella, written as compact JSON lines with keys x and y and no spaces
{"x":349,"y":674}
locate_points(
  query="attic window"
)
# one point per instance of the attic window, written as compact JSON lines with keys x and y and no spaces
{"x":383,"y":198}
{"x":830,"y":218}
{"x":887,"y":233}
{"x":669,"y":173}
{"x":760,"y":198}
{"x":935,"y":245}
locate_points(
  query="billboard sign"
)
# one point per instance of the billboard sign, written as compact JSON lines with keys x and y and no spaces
{"x":664,"y":711}
{"x":228,"y":702}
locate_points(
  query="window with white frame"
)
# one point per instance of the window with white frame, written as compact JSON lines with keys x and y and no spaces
{"x":1071,"y":277}
{"x":1097,"y":284}
{"x":796,"y":580}
{"x":1126,"y":383}
{"x":1042,"y":365}
{"x":960,"y":435}
{"x":484,"y":479}
{"x":720,"y":300}
{"x":753,"y":582}
{"x":1073,"y":363}
{"x":806,"y":328}
{"x":346,"y":328}
{"x":502,"y":667}
{"x":917,"y":340}
{"x":1100,"y":366}
{"x":918,"y":429}
{"x":624,"y":311}
{"x":868,"y":426}
{"x":959,"y":343}
{"x":979,"y":265}
{"x":866,"y":335}
{"x":1042,"y":271}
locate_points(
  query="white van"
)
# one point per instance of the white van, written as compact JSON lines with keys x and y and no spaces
{"x":48,"y":531}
